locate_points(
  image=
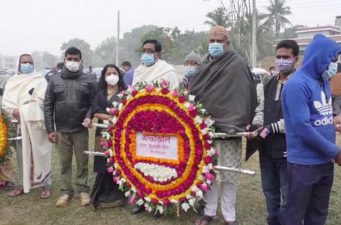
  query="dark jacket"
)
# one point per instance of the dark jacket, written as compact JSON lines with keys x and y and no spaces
{"x":67,"y":101}
{"x":274,"y":143}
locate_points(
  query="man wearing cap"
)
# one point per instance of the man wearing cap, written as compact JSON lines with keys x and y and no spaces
{"x":224,"y":85}
{"x":192,"y":61}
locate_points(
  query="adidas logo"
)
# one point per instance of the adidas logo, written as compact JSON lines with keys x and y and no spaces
{"x":324,"y":107}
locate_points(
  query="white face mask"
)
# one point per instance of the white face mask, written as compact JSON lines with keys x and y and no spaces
{"x":72,"y":65}
{"x":112,"y":79}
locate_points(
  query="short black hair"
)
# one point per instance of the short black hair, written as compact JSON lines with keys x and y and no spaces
{"x":126,"y":63}
{"x":289,"y":44}
{"x":73,"y":51}
{"x":157,"y":44}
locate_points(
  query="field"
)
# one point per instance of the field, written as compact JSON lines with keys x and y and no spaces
{"x":29,"y":209}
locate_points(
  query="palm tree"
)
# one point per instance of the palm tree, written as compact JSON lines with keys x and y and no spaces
{"x":217,"y":18}
{"x":276,"y":16}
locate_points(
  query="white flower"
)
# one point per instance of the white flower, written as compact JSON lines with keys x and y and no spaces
{"x":198,"y":119}
{"x":209,"y":121}
{"x":159,"y":208}
{"x":115,"y":104}
{"x":120,"y":106}
{"x":194,"y":188}
{"x":191,"y":201}
{"x":191,"y":98}
{"x":147,"y":199}
{"x":199,"y":194}
{"x":148,"y":208}
{"x":187,"y":104}
{"x":185,"y":206}
{"x":157,"y":172}
{"x":205,"y":169}
{"x":140,"y":202}
{"x":114,"y":120}
{"x":173,"y":201}
{"x":127,"y":194}
{"x":211,"y":152}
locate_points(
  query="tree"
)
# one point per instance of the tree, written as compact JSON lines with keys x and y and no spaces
{"x":276,"y":16}
{"x":83,"y":46}
{"x":217,"y":18}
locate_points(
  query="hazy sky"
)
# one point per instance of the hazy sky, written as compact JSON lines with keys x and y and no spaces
{"x":43,"y":25}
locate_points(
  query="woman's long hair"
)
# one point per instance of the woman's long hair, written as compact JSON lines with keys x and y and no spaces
{"x":103,"y":84}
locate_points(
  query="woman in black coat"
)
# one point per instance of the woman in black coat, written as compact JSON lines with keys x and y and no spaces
{"x":105,"y":192}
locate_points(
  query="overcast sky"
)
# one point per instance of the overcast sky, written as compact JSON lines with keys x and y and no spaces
{"x":43,"y":25}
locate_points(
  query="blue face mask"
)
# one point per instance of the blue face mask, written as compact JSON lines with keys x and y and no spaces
{"x":190,"y":70}
{"x":332,"y":70}
{"x":147,"y":59}
{"x":216,"y":49}
{"x":26,"y":68}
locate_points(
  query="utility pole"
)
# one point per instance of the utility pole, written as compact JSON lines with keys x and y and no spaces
{"x":254,"y":35}
{"x":118,"y":37}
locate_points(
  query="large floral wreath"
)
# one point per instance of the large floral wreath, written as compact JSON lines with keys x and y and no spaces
{"x":5,"y":130}
{"x":155,"y":113}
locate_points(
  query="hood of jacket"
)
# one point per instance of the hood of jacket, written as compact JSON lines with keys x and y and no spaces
{"x":319,"y":54}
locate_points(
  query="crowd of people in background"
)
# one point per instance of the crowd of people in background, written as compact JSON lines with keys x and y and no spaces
{"x":288,"y":116}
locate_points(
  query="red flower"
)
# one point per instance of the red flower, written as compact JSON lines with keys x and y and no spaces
{"x":182,"y":99}
{"x":134,"y":92}
{"x":164,"y":91}
{"x":166,"y":202}
{"x":203,"y":125}
{"x":154,"y":201}
{"x":208,"y":160}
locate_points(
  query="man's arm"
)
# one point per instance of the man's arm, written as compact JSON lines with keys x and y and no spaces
{"x":49,"y":104}
{"x":296,"y":102}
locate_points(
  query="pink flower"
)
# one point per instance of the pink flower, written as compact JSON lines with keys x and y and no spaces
{"x":116,"y":179}
{"x":175,"y":93}
{"x":150,"y":87}
{"x":111,"y":160}
{"x":209,"y":176}
{"x":204,"y":187}
{"x":107,"y":153}
{"x":110,"y":170}
{"x":164,"y":84}
{"x":132,"y":200}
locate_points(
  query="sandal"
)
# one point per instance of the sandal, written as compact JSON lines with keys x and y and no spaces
{"x":45,"y":193}
{"x":204,"y":220}
{"x":16,"y":192}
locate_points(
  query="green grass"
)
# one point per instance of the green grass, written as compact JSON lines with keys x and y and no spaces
{"x":31,"y":210}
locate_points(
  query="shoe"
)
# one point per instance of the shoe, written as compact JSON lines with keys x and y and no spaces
{"x":45,"y":193}
{"x":204,"y":220}
{"x":63,"y":200}
{"x":138,"y":209}
{"x":16,"y":192}
{"x":84,"y":198}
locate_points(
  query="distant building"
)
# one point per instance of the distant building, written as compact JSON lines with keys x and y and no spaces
{"x":306,"y":34}
{"x":7,"y":62}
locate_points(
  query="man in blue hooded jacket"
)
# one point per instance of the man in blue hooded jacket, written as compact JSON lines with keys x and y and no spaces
{"x":311,"y":148}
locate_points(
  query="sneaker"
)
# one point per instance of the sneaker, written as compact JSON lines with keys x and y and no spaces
{"x":84,"y":198}
{"x":63,"y":200}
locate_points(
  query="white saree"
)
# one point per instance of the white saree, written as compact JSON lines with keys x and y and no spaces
{"x":26,"y":93}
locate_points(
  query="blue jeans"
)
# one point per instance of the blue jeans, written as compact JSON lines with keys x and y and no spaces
{"x":309,"y":191}
{"x":275,"y":186}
